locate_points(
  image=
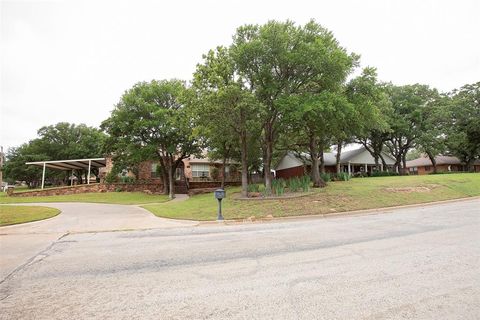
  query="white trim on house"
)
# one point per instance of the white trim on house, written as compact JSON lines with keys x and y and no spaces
{"x":200,"y":170}
{"x":348,"y":158}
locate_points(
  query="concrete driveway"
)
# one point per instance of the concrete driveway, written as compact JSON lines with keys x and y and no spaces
{"x":410,"y":263}
{"x":18,"y":243}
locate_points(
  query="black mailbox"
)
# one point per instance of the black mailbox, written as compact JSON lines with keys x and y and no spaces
{"x":219,"y":194}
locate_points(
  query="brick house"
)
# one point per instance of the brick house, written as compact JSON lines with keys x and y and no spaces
{"x":423,"y":165}
{"x":352,"y":161}
{"x":199,"y":171}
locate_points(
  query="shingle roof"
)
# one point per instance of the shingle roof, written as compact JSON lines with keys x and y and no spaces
{"x":330,"y":157}
{"x":425,"y":161}
{"x":348,"y":155}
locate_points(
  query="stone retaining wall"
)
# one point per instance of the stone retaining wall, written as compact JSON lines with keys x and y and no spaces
{"x":211,"y":184}
{"x":96,"y":187}
{"x":148,"y":187}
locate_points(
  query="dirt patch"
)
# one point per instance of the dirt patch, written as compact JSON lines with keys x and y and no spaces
{"x":412,"y":189}
{"x":259,"y":196}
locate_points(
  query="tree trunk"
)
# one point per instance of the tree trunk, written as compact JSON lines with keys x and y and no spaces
{"x":377,"y":163}
{"x":267,"y":160}
{"x":322,"y":161}
{"x":384,"y":163}
{"x":166,"y":182}
{"x":171,"y":180}
{"x":434,"y":162}
{"x":404,"y":164}
{"x":222,"y":183}
{"x":164,"y":174}
{"x":469,"y":164}
{"x":314,"y":156}
{"x":397,"y":165}
{"x":339,"y":154}
{"x":243,"y":143}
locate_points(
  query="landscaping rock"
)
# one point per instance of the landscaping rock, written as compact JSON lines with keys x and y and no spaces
{"x":254,"y":194}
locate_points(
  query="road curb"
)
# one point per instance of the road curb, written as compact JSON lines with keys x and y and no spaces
{"x":360,"y":212}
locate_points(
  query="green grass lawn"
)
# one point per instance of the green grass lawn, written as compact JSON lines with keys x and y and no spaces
{"x":358,"y":193}
{"x":20,"y":214}
{"x":106,"y":197}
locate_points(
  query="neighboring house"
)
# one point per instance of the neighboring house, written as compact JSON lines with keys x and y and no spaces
{"x":191,"y":169}
{"x":423,"y":165}
{"x":353,"y":161}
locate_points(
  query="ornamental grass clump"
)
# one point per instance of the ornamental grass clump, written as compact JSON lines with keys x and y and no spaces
{"x":294,"y":184}
{"x":305,"y":183}
{"x":278,"y":186}
{"x":326,"y":177}
{"x":343,"y":176}
{"x":253,"y":187}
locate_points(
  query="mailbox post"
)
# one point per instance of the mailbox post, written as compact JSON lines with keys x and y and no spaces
{"x":219,"y":195}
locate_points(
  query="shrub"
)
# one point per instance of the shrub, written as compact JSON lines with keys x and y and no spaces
{"x":326,"y":177}
{"x":343,"y":176}
{"x":111,"y":178}
{"x":360,"y":175}
{"x":253,"y":187}
{"x":383,"y":174}
{"x":445,"y":172}
{"x":215,"y":173}
{"x":127,"y":179}
{"x":233,"y":169}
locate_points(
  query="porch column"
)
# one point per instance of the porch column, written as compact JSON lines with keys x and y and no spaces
{"x":43,"y":176}
{"x":71,"y":179}
{"x":88,"y":175}
{"x":381,"y":166}
{"x":349,"y":169}
{"x":366,"y":168}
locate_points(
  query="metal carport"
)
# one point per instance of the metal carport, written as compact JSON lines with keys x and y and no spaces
{"x":67,"y":165}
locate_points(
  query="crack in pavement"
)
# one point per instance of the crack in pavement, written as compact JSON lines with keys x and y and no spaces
{"x":29,"y":261}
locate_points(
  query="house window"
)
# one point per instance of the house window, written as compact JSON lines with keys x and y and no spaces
{"x":200,"y":170}
{"x":154,"y":171}
{"x":427,"y":168}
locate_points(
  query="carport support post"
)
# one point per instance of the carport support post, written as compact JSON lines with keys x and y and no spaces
{"x":71,"y":179}
{"x":43,"y":176}
{"x":89,"y":166}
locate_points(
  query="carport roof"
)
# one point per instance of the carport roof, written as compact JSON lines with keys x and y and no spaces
{"x":71,"y":164}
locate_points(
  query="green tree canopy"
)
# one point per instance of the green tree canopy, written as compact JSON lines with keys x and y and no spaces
{"x":279,"y":60}
{"x":463,"y":132}
{"x":151,"y":122}
{"x":62,"y":141}
{"x":225,"y":112}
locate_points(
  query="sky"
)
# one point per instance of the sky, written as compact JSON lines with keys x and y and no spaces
{"x":72,"y":60}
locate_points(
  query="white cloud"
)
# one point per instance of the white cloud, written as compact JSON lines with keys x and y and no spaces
{"x":71,"y":60}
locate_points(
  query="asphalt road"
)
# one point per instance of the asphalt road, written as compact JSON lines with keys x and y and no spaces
{"x":19,"y":243}
{"x":415,"y":263}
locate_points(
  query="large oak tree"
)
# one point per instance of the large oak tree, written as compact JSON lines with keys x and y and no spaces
{"x":151,"y":122}
{"x":279,"y":60}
